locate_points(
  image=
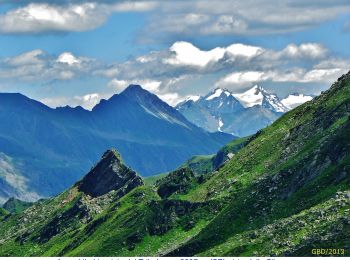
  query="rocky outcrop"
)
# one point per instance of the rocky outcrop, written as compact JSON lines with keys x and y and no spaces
{"x":177,"y":182}
{"x":109,"y":174}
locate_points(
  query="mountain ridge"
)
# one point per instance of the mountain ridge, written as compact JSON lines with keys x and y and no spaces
{"x":239,"y":114}
{"x":49,"y":149}
{"x":284,"y":193}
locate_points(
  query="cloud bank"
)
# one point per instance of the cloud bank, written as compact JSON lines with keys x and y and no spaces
{"x":174,"y":18}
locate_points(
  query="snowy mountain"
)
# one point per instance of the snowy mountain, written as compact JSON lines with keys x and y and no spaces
{"x":258,"y":96}
{"x":240,"y":114}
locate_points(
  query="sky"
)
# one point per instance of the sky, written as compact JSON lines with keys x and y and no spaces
{"x":74,"y":52}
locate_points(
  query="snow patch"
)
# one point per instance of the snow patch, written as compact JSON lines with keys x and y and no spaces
{"x":221,"y":124}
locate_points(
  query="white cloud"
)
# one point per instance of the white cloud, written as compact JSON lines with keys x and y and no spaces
{"x":68,"y":58}
{"x":242,"y":78}
{"x":150,"y":85}
{"x":28,"y":58}
{"x":205,"y":17}
{"x":305,"y":50}
{"x":87,"y":101}
{"x":39,"y":66}
{"x":118,"y":85}
{"x":45,"y":17}
{"x":171,"y":98}
{"x":231,"y":17}
{"x":141,"y":6}
{"x":296,"y":75}
{"x":239,"y":49}
{"x":322,"y":75}
{"x":36,"y":18}
{"x":226,"y":24}
{"x":185,"y":53}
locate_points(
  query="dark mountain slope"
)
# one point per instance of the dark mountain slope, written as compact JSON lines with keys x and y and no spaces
{"x":49,"y":149}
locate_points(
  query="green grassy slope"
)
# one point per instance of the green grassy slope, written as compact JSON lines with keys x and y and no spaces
{"x":202,"y":164}
{"x":285,"y":191}
{"x":14,"y":205}
{"x":3,"y":213}
{"x":299,"y":162}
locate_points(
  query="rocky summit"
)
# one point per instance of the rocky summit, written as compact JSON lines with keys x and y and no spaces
{"x":109,"y":174}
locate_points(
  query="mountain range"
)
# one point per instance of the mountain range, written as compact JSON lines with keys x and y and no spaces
{"x":284,"y":191}
{"x":45,"y":150}
{"x":240,"y":114}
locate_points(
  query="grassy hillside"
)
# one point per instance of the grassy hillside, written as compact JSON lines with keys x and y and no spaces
{"x":201,"y":164}
{"x":284,"y":192}
{"x":16,"y":206}
{"x":299,"y":162}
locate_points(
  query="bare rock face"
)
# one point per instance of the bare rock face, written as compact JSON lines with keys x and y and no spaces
{"x":109,"y":174}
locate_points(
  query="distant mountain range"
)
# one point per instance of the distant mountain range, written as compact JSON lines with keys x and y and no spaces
{"x":240,"y":114}
{"x":45,"y":150}
{"x":283,"y":192}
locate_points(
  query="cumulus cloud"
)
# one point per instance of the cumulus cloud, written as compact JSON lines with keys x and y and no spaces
{"x":170,"y":73}
{"x":306,"y":50}
{"x":232,"y":17}
{"x":39,"y":66}
{"x":45,"y":17}
{"x":36,"y":18}
{"x":173,"y":18}
{"x":296,"y":75}
{"x":183,"y":58}
{"x":184,"y":53}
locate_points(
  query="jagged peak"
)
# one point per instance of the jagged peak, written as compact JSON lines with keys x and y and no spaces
{"x":110,"y":173}
{"x":112,"y":153}
{"x":218,"y":92}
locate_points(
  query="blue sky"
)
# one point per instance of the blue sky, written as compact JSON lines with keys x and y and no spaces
{"x":75,"y":52}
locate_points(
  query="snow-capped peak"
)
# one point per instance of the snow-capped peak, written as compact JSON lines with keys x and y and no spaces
{"x":251,"y":97}
{"x":258,"y":96}
{"x":217,"y":93}
{"x":294,"y":100}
